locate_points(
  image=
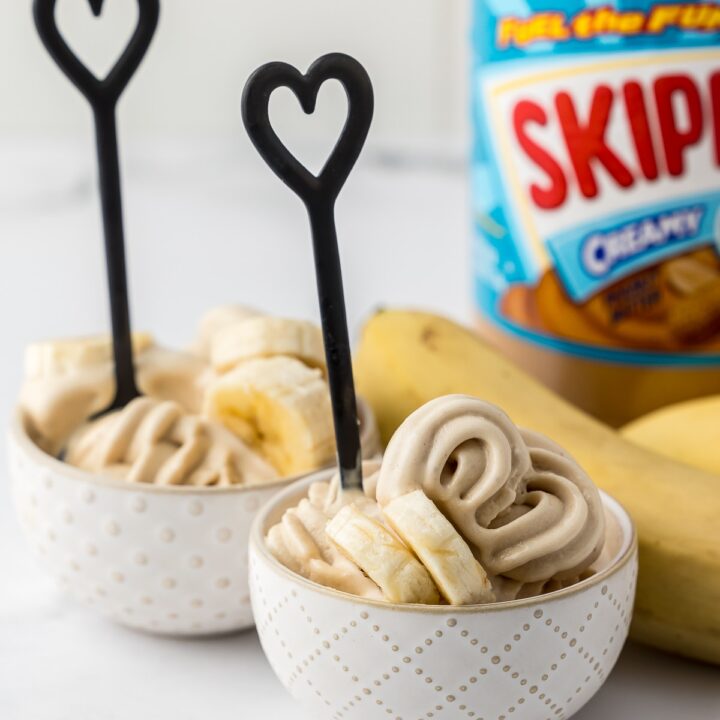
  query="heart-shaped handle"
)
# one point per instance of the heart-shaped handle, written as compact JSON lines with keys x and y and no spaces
{"x":319,"y":193}
{"x":97,"y":91}
{"x":103,"y":96}
{"x":325,"y":187}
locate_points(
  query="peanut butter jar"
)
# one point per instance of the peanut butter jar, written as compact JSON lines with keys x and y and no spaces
{"x":596,"y":198}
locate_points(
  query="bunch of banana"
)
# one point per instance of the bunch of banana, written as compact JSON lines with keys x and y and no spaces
{"x":408,"y":358}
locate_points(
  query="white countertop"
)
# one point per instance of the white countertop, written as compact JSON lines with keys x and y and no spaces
{"x":404,"y":235}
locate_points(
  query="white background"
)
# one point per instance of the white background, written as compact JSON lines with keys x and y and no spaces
{"x":204,"y":50}
{"x":207,"y":223}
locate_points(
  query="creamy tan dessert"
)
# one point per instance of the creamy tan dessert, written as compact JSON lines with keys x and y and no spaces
{"x":466,"y":508}
{"x":157,"y":441}
{"x":69,"y":381}
{"x":301,"y":543}
{"x":248,"y":405}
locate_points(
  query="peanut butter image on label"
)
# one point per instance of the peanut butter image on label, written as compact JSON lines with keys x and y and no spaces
{"x":674,"y":305}
{"x":696,"y":317}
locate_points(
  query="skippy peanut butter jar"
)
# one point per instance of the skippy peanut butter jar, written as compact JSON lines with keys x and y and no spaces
{"x":596,"y":193}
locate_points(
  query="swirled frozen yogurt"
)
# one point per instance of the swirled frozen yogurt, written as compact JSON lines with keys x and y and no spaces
{"x":157,"y":441}
{"x":249,"y":404}
{"x":466,"y":508}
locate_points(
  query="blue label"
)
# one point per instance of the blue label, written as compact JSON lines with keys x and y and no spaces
{"x":584,"y":174}
{"x":591,"y":257}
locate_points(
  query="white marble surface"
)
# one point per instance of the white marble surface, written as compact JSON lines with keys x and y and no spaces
{"x":201,"y":231}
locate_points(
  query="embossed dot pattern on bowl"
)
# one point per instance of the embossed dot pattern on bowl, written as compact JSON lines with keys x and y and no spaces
{"x":312,"y":644}
{"x":346,"y":659}
{"x":165,"y":562}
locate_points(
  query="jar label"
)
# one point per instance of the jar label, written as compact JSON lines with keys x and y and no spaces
{"x":596,"y":177}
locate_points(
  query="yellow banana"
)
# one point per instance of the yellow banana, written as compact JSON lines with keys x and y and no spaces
{"x":687,"y":431}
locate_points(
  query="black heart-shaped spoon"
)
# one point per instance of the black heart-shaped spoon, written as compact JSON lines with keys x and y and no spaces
{"x":103,"y":96}
{"x":319,"y":193}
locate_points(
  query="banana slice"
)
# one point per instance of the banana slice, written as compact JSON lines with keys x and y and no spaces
{"x":300,"y":542}
{"x":51,"y":358}
{"x":215,"y":321}
{"x":430,"y":535}
{"x":281,"y":408}
{"x":382,"y":556}
{"x":261,"y":336}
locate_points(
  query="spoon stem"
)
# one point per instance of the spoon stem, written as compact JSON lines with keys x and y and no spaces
{"x":337,"y":343}
{"x":318,"y":193}
{"x":111,"y":199}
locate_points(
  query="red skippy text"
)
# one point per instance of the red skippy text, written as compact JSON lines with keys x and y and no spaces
{"x":659,"y":136}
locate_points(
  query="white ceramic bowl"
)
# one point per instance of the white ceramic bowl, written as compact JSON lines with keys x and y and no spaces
{"x":169,"y":560}
{"x":347,"y":658}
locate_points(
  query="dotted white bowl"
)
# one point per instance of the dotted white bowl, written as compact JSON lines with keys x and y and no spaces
{"x":169,"y":560}
{"x":347,"y":658}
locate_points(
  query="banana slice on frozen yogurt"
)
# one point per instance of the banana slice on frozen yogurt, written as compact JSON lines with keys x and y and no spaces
{"x":488,"y":511}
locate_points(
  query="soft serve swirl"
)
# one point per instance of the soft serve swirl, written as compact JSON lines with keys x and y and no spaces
{"x":492,"y":512}
{"x":156,"y":441}
{"x":527,"y":509}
